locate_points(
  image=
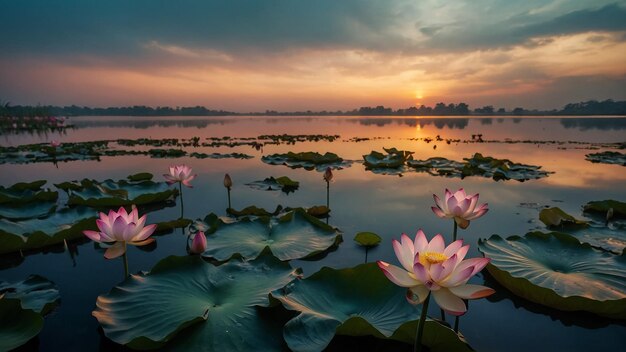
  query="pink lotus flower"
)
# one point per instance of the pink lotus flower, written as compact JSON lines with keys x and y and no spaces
{"x":328,"y":175}
{"x":430,"y":267}
{"x":180,"y":173}
{"x":460,"y":207}
{"x":198,"y":245}
{"x":121,"y":228}
{"x":55,"y":143}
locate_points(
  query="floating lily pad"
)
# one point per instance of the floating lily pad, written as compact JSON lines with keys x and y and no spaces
{"x":292,"y":139}
{"x":438,"y":166}
{"x":557,"y":218}
{"x":111,"y":193}
{"x":319,"y":211}
{"x":215,"y":307}
{"x":26,"y":192}
{"x":602,"y":207}
{"x":558,"y":271}
{"x":220,"y":156}
{"x":392,"y":160}
{"x":609,"y":157}
{"x":307,"y":160}
{"x":359,"y":301}
{"x":166,"y":153}
{"x":17,"y":325}
{"x":294,"y":235}
{"x":253,"y":211}
{"x":33,"y":153}
{"x":36,"y":293}
{"x":500,"y":169}
{"x":27,"y":211}
{"x":367,"y":239}
{"x":282,"y":183}
{"x":36,"y":233}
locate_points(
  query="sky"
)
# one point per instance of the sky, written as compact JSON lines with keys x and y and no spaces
{"x":288,"y":55}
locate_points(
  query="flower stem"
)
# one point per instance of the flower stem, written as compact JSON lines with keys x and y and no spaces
{"x":327,"y":194}
{"x":454,"y":233}
{"x":125,"y":262}
{"x":182,"y":204}
{"x":229,"y":198}
{"x":417,"y":347}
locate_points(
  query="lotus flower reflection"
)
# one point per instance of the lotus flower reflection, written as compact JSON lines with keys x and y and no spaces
{"x":121,"y":228}
{"x":431,"y":267}
{"x":460,"y":207}
{"x":181,"y":174}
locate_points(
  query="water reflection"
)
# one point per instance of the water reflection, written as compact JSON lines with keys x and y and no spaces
{"x":600,"y":123}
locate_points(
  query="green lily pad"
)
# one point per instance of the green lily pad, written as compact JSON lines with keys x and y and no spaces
{"x":27,"y":211}
{"x":66,"y":224}
{"x":367,"y":239}
{"x":319,"y":211}
{"x":307,"y":160}
{"x":282,"y":183}
{"x":166,"y":153}
{"x":392,"y":160}
{"x":142,"y":176}
{"x":292,"y":139}
{"x":36,"y":293}
{"x":557,"y":218}
{"x":111,"y":193}
{"x":294,"y":235}
{"x":215,"y":307}
{"x":26,"y":192}
{"x":602,"y":207}
{"x":17,"y":325}
{"x":500,"y":169}
{"x":558,"y":271}
{"x":358,"y":301}
{"x":609,"y":157}
{"x":220,"y":156}
{"x":438,"y":166}
{"x":43,"y":152}
{"x":253,"y":211}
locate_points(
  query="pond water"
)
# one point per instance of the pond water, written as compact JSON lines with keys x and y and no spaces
{"x":360,"y":201}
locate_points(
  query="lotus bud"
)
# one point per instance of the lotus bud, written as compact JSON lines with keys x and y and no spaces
{"x":328,"y":175}
{"x":55,"y":143}
{"x":198,"y":245}
{"x":228,"y":182}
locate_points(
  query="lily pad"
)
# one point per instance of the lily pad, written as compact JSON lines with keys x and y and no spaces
{"x":43,"y":152}
{"x":36,"y":233}
{"x":358,"y":301}
{"x":393,"y":159}
{"x":558,"y":271}
{"x":111,"y":193}
{"x":367,"y":239}
{"x":319,"y":211}
{"x":253,"y":211}
{"x":438,"y":166}
{"x":294,"y":235}
{"x":36,"y":293}
{"x":500,"y":169}
{"x":220,"y":156}
{"x":26,"y":192}
{"x":282,"y":183}
{"x":166,"y":153}
{"x":215,"y":307}
{"x":557,"y":218}
{"x":27,"y":211}
{"x":602,"y":207}
{"x":608,"y":157}
{"x":307,"y":160}
{"x":17,"y":325}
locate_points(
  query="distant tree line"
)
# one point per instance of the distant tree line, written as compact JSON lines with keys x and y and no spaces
{"x":591,"y":107}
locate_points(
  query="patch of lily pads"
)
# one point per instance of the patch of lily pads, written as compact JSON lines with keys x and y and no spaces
{"x":607,"y":157}
{"x":557,"y":270}
{"x":22,"y":307}
{"x":136,"y":189}
{"x":393,"y":159}
{"x":43,"y":152}
{"x":292,"y":235}
{"x":26,"y":193}
{"x":364,"y":303}
{"x":604,"y":207}
{"x":307,"y":160}
{"x":283,"y":183}
{"x":186,"y":303}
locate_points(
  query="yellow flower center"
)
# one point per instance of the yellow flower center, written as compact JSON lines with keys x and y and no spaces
{"x":434,"y":257}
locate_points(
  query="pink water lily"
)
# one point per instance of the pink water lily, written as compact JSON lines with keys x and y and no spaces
{"x":180,"y":173}
{"x":460,"y":207}
{"x":198,"y":244}
{"x":121,"y":228}
{"x":431,"y":267}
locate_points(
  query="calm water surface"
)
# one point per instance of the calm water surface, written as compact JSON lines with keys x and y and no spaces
{"x":360,"y":201}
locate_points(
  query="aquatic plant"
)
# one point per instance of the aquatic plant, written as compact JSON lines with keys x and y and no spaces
{"x":198,"y":244}
{"x":460,"y":207}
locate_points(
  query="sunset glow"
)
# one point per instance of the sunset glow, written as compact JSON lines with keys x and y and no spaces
{"x":344,"y":56}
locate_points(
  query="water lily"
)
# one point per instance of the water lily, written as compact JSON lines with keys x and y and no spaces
{"x":328,"y":174}
{"x":121,"y":228}
{"x":198,"y":244}
{"x":460,"y":207}
{"x":431,"y":267}
{"x":181,"y":174}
